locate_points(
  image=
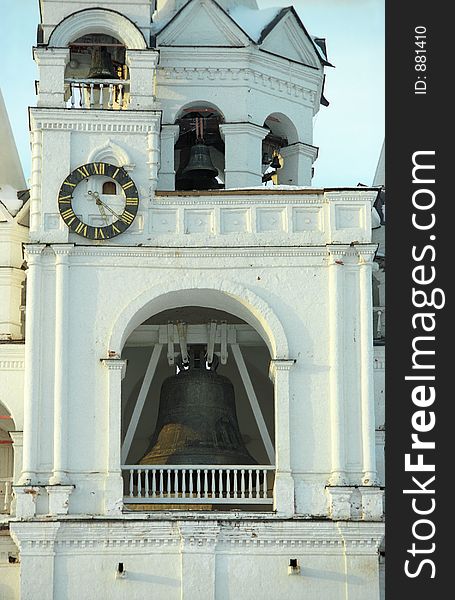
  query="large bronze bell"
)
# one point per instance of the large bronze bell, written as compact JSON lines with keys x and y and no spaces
{"x":197,"y":421}
{"x":199,"y":173}
{"x":101,"y":67}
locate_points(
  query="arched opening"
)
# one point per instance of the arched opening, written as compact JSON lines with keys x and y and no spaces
{"x":199,"y":150}
{"x":6,"y":459}
{"x":96,"y":75}
{"x":282,"y":133}
{"x":156,"y":455}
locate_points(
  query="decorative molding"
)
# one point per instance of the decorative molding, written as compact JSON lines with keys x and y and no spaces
{"x":90,"y":120}
{"x":11,"y":365}
{"x":208,"y":252}
{"x":110,"y":152}
{"x":199,"y":75}
{"x":100,"y":20}
{"x":177,"y":535}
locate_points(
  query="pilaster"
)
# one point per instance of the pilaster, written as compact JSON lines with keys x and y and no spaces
{"x":284,"y":502}
{"x":113,"y":493}
{"x":51,"y":63}
{"x":62,"y":253}
{"x":298,"y":164}
{"x":366,"y":369}
{"x":32,"y":363}
{"x":243,"y":154}
{"x":337,"y":433}
{"x":169,"y":136}
{"x":142,"y":68}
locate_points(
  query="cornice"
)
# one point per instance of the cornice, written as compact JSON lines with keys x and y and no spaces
{"x":207,"y":252}
{"x":308,"y":537}
{"x":131,"y":121}
{"x":240,"y":75}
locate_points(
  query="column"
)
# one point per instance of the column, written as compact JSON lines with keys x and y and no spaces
{"x":142,"y":68}
{"x":62,"y":253}
{"x":32,"y":363}
{"x":113,"y":494}
{"x":298,"y":162}
{"x":243,"y":154}
{"x":284,"y":482}
{"x":51,"y":63}
{"x":366,"y":365}
{"x":166,"y":175}
{"x":336,"y":357}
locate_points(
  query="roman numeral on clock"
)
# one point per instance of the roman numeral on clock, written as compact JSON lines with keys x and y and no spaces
{"x":127,"y":217}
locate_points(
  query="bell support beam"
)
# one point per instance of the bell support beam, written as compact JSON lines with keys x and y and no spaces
{"x":149,"y":335}
{"x":238,"y":356}
{"x":148,"y":377}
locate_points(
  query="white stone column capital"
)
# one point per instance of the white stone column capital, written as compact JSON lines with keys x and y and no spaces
{"x":144,"y":59}
{"x":228,"y":129}
{"x":280,"y":364}
{"x":170,"y":131}
{"x":51,"y":57}
{"x":17,"y":437}
{"x":115,"y":364}
{"x":300,"y":149}
{"x":366,"y":256}
{"x":32,"y":253}
{"x":62,"y":252}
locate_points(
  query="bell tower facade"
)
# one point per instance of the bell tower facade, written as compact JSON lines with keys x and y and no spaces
{"x":172,"y":217}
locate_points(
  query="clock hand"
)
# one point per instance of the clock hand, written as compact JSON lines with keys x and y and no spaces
{"x":102,"y":205}
{"x":102,"y":212}
{"x":99,"y":201}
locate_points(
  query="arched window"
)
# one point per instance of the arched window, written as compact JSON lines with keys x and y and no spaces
{"x":199,"y":151}
{"x":109,"y":188}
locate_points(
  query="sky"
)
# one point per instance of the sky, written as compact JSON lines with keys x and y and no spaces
{"x":349,"y":132}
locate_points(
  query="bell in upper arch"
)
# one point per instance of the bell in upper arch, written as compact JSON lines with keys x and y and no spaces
{"x":101,"y":67}
{"x":200,"y":173}
{"x":197,"y":420}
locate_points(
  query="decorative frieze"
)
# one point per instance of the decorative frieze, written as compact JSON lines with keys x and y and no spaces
{"x":226,"y":75}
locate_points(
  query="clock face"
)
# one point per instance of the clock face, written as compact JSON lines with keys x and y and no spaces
{"x":98,"y":201}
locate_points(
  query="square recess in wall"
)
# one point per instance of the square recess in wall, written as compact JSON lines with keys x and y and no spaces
{"x":198,"y":221}
{"x":52,"y":221}
{"x":270,"y":219}
{"x":349,"y":217}
{"x":234,"y":220}
{"x":163,"y":221}
{"x":306,"y":219}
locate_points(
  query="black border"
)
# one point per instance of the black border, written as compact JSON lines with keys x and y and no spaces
{"x":414,"y":123}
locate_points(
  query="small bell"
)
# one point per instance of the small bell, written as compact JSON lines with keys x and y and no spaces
{"x":101,"y":67}
{"x":275,"y":164}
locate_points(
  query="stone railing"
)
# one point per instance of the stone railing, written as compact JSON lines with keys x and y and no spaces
{"x":97,"y":93}
{"x":198,"y":484}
